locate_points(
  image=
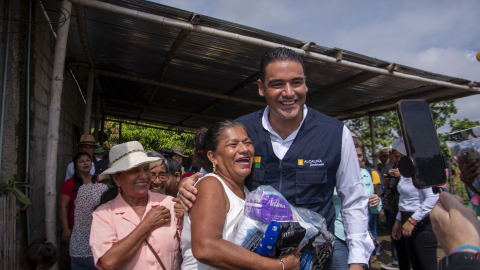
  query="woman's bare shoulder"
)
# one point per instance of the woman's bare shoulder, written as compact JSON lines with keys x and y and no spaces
{"x":209,"y":182}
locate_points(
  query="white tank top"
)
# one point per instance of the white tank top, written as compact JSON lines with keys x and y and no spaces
{"x":233,"y":215}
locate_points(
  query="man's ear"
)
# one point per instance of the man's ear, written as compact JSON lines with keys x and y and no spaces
{"x":305,"y":82}
{"x":261,"y":88}
{"x":212,"y":157}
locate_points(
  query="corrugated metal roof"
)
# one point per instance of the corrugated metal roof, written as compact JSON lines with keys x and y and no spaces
{"x":138,"y":48}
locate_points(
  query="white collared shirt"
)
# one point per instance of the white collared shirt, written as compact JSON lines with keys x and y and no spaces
{"x":419,"y":201}
{"x":349,"y":188}
{"x":280,"y":146}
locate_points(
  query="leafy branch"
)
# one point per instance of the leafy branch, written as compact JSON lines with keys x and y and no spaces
{"x":12,"y":185}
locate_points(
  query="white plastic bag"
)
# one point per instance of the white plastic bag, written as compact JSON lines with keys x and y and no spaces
{"x":272,"y":227}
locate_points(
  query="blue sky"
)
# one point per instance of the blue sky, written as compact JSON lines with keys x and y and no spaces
{"x":439,"y":36}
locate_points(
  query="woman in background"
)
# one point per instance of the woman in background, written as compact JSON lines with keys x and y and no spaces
{"x":68,"y":193}
{"x":88,"y":197}
{"x":413,"y":223}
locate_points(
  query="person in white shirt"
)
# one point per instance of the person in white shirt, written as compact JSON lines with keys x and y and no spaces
{"x":303,"y":154}
{"x":86,"y":145}
{"x":413,"y":223}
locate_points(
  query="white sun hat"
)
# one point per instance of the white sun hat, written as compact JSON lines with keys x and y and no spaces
{"x":399,"y":146}
{"x":126,"y":156}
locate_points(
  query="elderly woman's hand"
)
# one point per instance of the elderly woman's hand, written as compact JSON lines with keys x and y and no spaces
{"x":179,"y":211}
{"x":157,"y":217}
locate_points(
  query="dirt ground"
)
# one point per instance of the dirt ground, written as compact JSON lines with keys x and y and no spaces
{"x":386,"y":256}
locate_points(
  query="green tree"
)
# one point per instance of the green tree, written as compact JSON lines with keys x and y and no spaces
{"x":458,"y":125}
{"x":387,"y":127}
{"x":152,"y":139}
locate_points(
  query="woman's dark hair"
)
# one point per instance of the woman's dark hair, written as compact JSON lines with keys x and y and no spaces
{"x":171,"y":165}
{"x":77,"y":180}
{"x":110,"y":194}
{"x":212,"y":139}
{"x":198,"y":146}
{"x":40,"y":254}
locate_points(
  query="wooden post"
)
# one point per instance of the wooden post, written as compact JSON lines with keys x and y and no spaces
{"x":97,"y":118}
{"x":54,"y":110}
{"x":102,"y":129}
{"x":120,"y":133}
{"x":374,"y":143}
{"x":88,"y":104}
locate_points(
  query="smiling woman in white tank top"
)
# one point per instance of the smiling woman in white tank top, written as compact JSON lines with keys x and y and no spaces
{"x":228,"y":153}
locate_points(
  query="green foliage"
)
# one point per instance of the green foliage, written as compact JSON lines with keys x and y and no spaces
{"x":12,"y":185}
{"x":387,"y":127}
{"x":152,"y":139}
{"x":458,"y":125}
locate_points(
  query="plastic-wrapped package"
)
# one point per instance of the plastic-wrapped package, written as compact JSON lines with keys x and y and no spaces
{"x":272,"y":227}
{"x":466,"y":141}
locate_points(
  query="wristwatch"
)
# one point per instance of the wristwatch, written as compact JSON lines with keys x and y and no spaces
{"x":364,"y":265}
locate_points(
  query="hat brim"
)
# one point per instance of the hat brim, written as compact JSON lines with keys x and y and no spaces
{"x":126,"y":164}
{"x":89,"y":143}
{"x":182,"y":155}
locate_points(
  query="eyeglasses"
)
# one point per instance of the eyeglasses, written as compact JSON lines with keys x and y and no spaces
{"x":161,"y":176}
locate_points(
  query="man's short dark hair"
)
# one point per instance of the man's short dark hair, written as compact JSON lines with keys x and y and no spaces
{"x":278,"y":54}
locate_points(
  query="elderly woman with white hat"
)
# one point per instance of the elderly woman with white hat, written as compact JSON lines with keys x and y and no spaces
{"x":133,"y":228}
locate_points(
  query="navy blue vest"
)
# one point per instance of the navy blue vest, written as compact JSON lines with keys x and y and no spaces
{"x":306,"y":175}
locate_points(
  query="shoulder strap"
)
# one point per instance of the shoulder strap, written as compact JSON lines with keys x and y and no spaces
{"x":156,"y":255}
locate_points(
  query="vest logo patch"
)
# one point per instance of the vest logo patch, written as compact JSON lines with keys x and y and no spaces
{"x":256,"y":163}
{"x":314,"y":162}
{"x":300,"y":162}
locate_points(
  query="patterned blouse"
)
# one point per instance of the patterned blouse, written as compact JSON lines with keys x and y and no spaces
{"x":87,"y":198}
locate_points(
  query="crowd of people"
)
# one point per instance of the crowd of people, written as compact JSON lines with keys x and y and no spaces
{"x":146,"y":210}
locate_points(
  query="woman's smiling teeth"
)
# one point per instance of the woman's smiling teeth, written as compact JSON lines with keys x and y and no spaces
{"x":287,"y":103}
{"x":245,"y":161}
{"x":141,"y":184}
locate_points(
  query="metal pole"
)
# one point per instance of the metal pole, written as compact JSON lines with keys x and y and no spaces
{"x":88,"y":104}
{"x":5,"y":69}
{"x":374,"y":143}
{"x":54,"y":123}
{"x":5,"y":263}
{"x":97,"y":118}
{"x":27,"y":146}
{"x":102,"y":129}
{"x":120,"y":133}
{"x":258,"y":42}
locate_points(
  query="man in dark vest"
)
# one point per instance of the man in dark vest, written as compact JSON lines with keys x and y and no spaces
{"x":303,"y":154}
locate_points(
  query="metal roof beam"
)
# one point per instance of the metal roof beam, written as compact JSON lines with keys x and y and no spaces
{"x":194,"y":19}
{"x":392,"y":101}
{"x":165,"y":110}
{"x":357,"y":79}
{"x":259,"y":42}
{"x":251,"y":79}
{"x":171,"y":125}
{"x":136,"y":123}
{"x":82,"y":33}
{"x":176,"y":87}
